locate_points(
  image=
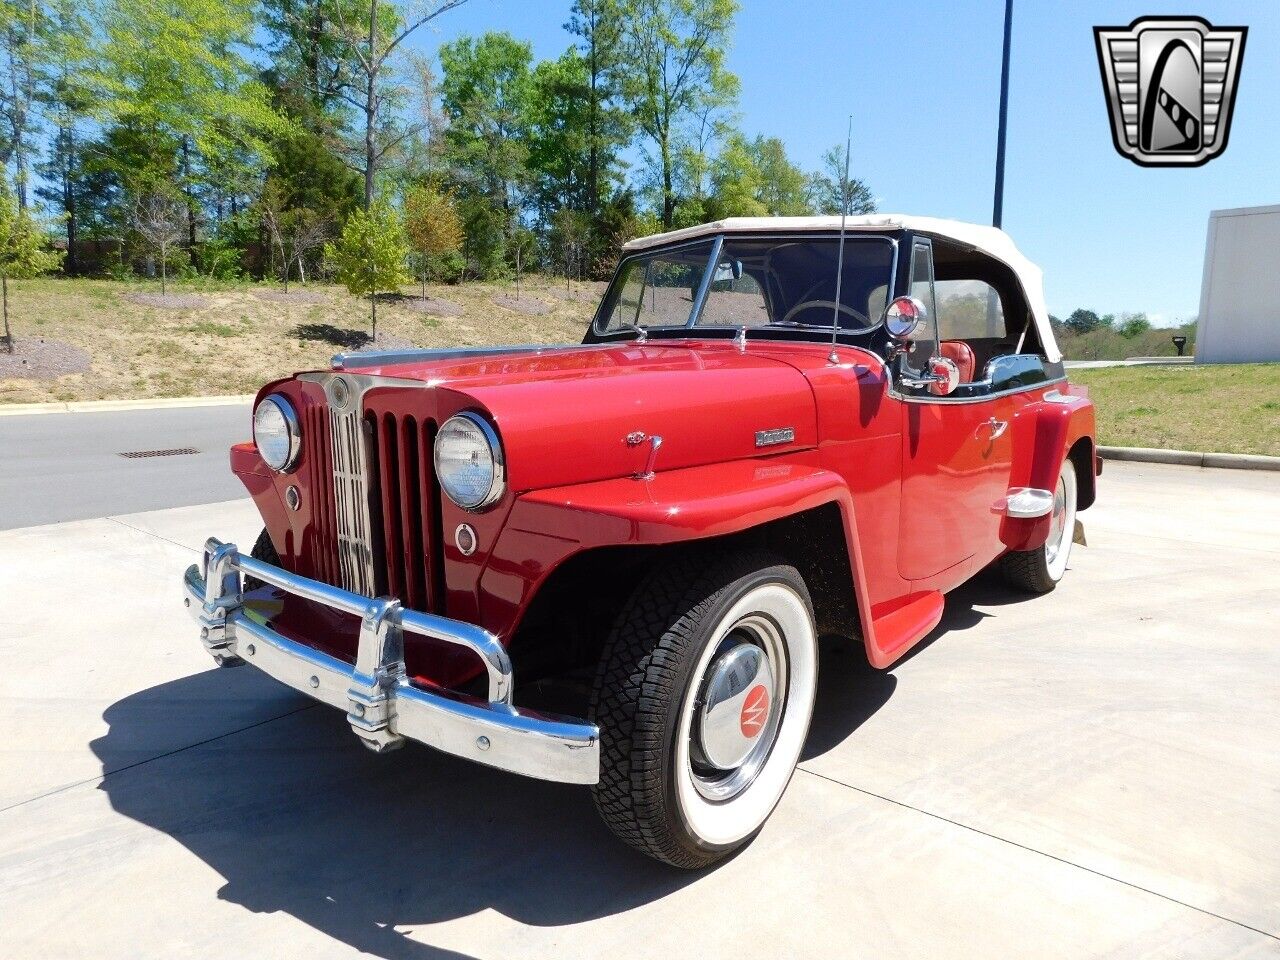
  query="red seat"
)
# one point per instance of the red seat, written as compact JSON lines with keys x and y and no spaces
{"x":961,"y":354}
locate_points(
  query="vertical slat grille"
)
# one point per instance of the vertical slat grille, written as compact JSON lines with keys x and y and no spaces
{"x":378,"y":529}
{"x":322,"y":548}
{"x":409,"y":510}
{"x":351,"y":500}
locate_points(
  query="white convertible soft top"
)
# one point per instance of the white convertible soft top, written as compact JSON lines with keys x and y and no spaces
{"x":989,"y":240}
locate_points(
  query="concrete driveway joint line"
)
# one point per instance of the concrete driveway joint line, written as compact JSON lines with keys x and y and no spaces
{"x":1191,"y":458}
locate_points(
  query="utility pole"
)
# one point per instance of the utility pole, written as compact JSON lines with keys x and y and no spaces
{"x":998,"y":212}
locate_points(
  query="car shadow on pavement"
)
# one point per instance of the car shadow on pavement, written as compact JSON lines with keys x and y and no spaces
{"x":298,"y":817}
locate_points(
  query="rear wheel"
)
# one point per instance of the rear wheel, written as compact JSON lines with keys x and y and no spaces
{"x":1039,"y":570}
{"x":703,"y":697}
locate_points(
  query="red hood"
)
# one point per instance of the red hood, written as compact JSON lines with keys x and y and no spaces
{"x":564,"y":413}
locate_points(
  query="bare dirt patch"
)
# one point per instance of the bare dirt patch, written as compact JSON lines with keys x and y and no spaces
{"x":35,"y":358}
{"x":591,"y":290}
{"x":436,"y":307}
{"x":290,"y":296}
{"x":168,"y":301}
{"x":526,"y":305}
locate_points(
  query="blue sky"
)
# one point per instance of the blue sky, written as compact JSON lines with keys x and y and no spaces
{"x":922,"y":82}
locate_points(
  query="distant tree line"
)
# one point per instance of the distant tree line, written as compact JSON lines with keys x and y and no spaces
{"x":288,"y":138}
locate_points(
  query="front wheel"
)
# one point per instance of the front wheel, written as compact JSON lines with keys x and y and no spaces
{"x":1039,"y":570}
{"x":703,"y":697}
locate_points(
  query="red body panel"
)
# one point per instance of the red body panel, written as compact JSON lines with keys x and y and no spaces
{"x":920,"y":485}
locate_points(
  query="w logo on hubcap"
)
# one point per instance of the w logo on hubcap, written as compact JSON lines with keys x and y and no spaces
{"x":755,"y":711}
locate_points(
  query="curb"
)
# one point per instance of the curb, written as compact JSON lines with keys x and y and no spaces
{"x":1189,"y":458}
{"x":94,"y":406}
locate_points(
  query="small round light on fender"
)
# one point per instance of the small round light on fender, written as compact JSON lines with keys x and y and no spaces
{"x":465,"y":538}
{"x":293,"y":498}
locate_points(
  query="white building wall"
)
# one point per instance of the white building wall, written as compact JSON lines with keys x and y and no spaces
{"x":1240,"y":292}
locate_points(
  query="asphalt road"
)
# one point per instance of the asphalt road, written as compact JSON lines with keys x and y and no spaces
{"x":1092,"y":773}
{"x":67,"y":466}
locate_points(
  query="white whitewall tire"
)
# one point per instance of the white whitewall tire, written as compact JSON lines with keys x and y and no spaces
{"x":704,"y":697}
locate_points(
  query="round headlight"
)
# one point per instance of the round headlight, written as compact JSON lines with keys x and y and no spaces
{"x":276,"y":432}
{"x":469,"y":461}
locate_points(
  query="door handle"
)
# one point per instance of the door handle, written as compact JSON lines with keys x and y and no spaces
{"x":998,"y":427}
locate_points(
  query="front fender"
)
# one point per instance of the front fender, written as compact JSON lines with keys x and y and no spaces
{"x":547,"y":527}
{"x":689,"y":504}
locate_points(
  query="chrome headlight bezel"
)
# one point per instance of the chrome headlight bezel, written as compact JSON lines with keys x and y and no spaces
{"x":498,"y":477}
{"x":292,"y":428}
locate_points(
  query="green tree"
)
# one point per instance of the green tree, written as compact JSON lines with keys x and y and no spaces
{"x":784,"y":188}
{"x":827,"y":187}
{"x":369,"y":257}
{"x":559,"y":156}
{"x":23,"y":27}
{"x":22,"y":251}
{"x":1082,"y":321}
{"x":179,"y":98}
{"x":674,"y":62}
{"x":368,"y":43}
{"x":599,"y":26}
{"x":1133,"y":324}
{"x":67,"y":102}
{"x":737,"y":182}
{"x":433,"y":228}
{"x":486,"y":91}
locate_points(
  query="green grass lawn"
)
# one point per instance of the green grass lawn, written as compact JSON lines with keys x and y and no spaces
{"x":1217,"y":408}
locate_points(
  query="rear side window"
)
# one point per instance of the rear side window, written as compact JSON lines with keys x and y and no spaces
{"x":969,"y":310}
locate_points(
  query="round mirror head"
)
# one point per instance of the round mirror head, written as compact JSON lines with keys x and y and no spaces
{"x":945,"y":374}
{"x":903,"y":317}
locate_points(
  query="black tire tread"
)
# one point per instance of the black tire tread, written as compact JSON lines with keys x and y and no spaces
{"x":264,"y":550}
{"x":638,"y":683}
{"x":1027,"y":570}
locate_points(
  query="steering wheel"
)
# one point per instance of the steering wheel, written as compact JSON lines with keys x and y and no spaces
{"x":827,"y":305}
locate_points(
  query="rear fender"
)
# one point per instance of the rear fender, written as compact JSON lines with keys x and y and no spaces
{"x":1045,"y":432}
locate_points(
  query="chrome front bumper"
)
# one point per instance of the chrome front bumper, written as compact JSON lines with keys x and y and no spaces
{"x":383,"y":707}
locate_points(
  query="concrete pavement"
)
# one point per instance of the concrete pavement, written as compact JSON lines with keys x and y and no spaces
{"x":1094,"y":773}
{"x":67,"y":466}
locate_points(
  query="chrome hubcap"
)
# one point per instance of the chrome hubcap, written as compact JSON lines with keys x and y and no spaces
{"x":739,"y":708}
{"x":1057,"y":523}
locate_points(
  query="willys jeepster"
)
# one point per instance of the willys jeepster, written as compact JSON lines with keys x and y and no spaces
{"x":772,"y":431}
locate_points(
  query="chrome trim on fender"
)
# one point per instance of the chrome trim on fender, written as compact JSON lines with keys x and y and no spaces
{"x":383,"y":707}
{"x":1028,"y":502}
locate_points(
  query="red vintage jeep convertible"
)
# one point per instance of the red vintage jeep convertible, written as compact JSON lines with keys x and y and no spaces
{"x":770,"y":432}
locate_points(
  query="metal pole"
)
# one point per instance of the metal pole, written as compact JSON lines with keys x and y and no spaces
{"x":998,"y":212}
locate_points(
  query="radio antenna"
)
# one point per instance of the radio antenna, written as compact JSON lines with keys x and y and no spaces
{"x":844,"y":213}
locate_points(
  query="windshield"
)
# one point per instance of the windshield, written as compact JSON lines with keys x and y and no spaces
{"x":754,"y":283}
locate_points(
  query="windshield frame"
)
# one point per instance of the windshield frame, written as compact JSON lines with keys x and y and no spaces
{"x":708,"y":271}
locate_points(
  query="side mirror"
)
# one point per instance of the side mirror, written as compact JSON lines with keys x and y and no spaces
{"x":903,"y":317}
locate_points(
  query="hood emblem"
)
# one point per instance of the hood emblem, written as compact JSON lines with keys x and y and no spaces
{"x":775,"y":436}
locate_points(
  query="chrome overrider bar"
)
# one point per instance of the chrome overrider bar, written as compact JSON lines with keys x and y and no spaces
{"x":383,"y":707}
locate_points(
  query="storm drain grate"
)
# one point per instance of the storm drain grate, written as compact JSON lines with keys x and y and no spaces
{"x":175,"y":452}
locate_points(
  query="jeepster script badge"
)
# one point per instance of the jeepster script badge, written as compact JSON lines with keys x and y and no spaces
{"x":769,"y":438}
{"x":1170,"y":84}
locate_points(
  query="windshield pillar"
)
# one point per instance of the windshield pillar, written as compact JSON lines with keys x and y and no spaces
{"x":700,"y":298}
